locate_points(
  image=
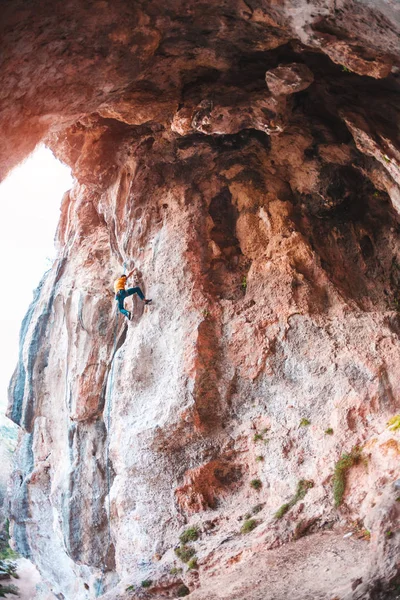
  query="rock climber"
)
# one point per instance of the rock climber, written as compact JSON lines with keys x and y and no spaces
{"x":121,"y":293}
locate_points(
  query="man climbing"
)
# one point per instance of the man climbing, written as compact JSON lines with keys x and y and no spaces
{"x":121,"y":293}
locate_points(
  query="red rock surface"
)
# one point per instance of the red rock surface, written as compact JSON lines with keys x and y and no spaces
{"x":263,"y":221}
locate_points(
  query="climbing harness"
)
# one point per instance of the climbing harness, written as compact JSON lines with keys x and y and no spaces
{"x":99,"y":584}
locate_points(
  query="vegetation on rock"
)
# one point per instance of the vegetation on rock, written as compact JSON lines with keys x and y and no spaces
{"x":190,"y":535}
{"x":185,"y":553}
{"x":7,"y":571}
{"x":340,"y":473}
{"x":248,"y":525}
{"x":302,"y":488}
{"x":256,"y":484}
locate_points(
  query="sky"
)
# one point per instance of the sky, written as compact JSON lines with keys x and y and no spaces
{"x":30,"y":199}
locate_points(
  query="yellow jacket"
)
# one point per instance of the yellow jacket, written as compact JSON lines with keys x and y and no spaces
{"x":119,"y":284}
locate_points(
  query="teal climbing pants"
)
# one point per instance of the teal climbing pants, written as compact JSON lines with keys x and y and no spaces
{"x":122,"y":294}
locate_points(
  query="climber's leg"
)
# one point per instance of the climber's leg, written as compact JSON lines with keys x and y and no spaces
{"x":120,"y":297}
{"x":135,"y":290}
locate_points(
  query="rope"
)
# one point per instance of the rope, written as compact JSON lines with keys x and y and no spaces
{"x":110,"y":387}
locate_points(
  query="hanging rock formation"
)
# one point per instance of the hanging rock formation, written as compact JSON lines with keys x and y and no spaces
{"x":244,"y":156}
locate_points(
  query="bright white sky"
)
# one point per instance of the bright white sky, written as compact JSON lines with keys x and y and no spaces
{"x":30,"y":201}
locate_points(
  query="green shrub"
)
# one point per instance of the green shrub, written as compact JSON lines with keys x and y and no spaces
{"x":147,"y":583}
{"x":244,"y":282}
{"x":304,"y":422}
{"x":259,"y":458}
{"x":248,"y":526}
{"x":257,"y":508}
{"x":8,"y":569}
{"x":282,"y":511}
{"x":192,"y":564}
{"x":190,"y":535}
{"x":175,"y":571}
{"x":257,"y":437}
{"x":329,"y":431}
{"x":302,"y":488}
{"x":394,"y":423}
{"x":256,"y":484}
{"x":183,"y":591}
{"x":185,"y":553}
{"x":340,"y":473}
{"x":8,"y":554}
{"x":8,"y":589}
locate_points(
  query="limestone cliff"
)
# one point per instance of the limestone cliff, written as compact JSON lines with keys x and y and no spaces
{"x":244,"y":157}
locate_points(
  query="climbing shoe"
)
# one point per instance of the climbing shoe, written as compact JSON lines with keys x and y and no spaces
{"x":147,"y":302}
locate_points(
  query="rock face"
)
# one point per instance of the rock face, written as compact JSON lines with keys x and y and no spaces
{"x":254,"y":184}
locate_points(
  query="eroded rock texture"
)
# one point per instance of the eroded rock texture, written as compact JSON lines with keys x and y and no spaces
{"x":244,"y":157}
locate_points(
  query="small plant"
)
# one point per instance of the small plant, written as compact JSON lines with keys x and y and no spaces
{"x":398,"y":499}
{"x":257,"y":508}
{"x":258,"y":437}
{"x":248,"y":526}
{"x":386,"y":158}
{"x":8,"y":569}
{"x":329,"y":431}
{"x":147,"y":583}
{"x":8,"y":589}
{"x":304,"y":422}
{"x":256,"y":484}
{"x":282,"y":510}
{"x":8,"y":554}
{"x":394,"y":423}
{"x":302,"y":488}
{"x":206,"y":313}
{"x":183,"y":591}
{"x":130,"y":588}
{"x":175,"y":571}
{"x":185,"y":553}
{"x":190,"y":535}
{"x":192,"y":564}
{"x":259,"y":458}
{"x":376,"y":194}
{"x":340,"y":473}
{"x":346,"y":69}
{"x":389,"y":533}
{"x":244,"y":282}
{"x":366,"y":534}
